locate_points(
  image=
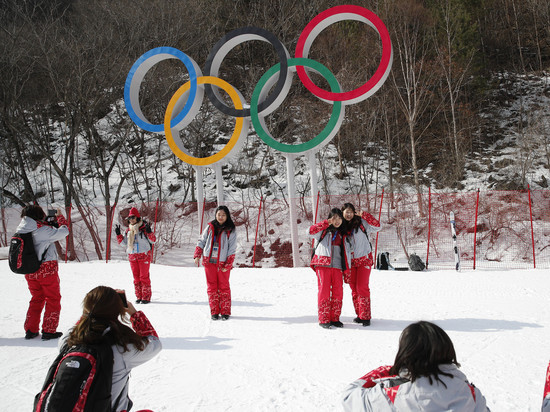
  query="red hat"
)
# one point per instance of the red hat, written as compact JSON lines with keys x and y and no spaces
{"x":133,"y":212}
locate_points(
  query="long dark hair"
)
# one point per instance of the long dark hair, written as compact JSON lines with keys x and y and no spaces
{"x":423,"y":347}
{"x":228,"y":225}
{"x":102,"y":308}
{"x":355,"y":221}
{"x":34,"y":212}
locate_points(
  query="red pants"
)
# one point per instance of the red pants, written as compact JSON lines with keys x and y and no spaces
{"x":142,"y":282}
{"x":44,"y":287}
{"x":218,"y":289}
{"x":360,"y":291}
{"x":330,"y":294}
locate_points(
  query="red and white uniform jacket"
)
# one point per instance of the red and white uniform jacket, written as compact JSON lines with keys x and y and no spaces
{"x":226,"y":241}
{"x":361,"y":247}
{"x":143,"y":243}
{"x":377,"y":391}
{"x":323,"y":246}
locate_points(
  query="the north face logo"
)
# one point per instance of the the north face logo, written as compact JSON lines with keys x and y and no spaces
{"x":73,"y":364}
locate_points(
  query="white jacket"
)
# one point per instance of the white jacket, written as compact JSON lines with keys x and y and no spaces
{"x":458,"y":396}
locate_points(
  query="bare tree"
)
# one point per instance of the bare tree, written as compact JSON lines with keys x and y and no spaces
{"x":454,"y":51}
{"x":413,"y":75}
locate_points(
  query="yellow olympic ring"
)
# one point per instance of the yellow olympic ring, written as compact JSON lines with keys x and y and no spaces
{"x":240,"y":123}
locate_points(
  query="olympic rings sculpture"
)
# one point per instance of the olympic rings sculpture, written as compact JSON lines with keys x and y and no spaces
{"x":186,"y":102}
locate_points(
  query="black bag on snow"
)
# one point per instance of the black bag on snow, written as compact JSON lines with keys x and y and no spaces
{"x":415,"y":263}
{"x":22,"y":256}
{"x":80,"y":377}
{"x":383,"y":261}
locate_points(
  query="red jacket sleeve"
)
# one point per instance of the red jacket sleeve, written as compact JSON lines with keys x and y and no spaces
{"x":62,"y":221}
{"x":151,"y":236}
{"x":228,"y":264}
{"x":317,"y":227}
{"x":198,"y":252}
{"x":141,"y":325}
{"x":381,"y":372}
{"x":370,"y":219}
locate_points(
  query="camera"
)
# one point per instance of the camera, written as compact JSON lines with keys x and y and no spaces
{"x":51,"y":219}
{"x":122,"y":295}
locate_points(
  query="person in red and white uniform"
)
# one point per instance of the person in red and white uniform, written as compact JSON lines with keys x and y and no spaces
{"x":425,"y":377}
{"x":217,"y":246}
{"x":359,"y":226}
{"x":331,"y":259}
{"x":44,"y":283}
{"x":138,"y":241}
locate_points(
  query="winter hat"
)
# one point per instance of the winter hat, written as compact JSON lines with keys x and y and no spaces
{"x":134,"y":212}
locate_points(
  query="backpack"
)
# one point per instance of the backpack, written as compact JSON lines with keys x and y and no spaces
{"x":383,"y":261}
{"x":22,"y":255}
{"x":415,"y":263}
{"x":79,"y":379}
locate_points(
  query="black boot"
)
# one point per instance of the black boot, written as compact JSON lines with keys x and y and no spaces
{"x":225,"y":317}
{"x":30,"y":335}
{"x":54,"y":335}
{"x":364,"y":322}
{"x":325,"y":325}
{"x":337,"y":324}
{"x":215,"y":317}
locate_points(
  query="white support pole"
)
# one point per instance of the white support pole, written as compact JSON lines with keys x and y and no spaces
{"x":314,"y":184}
{"x":200,"y":192}
{"x":219,"y":183}
{"x":292,"y":208}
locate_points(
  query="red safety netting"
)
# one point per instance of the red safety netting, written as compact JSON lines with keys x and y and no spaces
{"x":495,"y":229}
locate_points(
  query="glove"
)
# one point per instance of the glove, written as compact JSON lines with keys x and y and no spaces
{"x":148,"y":227}
{"x":117,"y":230}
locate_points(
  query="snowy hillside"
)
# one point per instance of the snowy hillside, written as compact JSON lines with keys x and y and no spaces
{"x":519,"y":155}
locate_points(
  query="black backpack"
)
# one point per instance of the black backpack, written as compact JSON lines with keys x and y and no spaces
{"x":383,"y":261}
{"x":80,"y":379}
{"x":22,"y":256}
{"x":415,"y":263}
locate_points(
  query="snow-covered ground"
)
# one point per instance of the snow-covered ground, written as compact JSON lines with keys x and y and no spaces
{"x":272,"y":355}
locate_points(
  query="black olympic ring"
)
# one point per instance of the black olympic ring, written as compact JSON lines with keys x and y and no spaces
{"x":224,"y":46}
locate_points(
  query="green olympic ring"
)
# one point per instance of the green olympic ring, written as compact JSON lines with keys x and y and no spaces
{"x":264,"y":85}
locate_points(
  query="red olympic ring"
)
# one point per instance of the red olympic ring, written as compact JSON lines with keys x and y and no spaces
{"x":333,"y":15}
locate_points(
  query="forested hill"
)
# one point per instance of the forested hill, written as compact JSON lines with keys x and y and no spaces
{"x":466,"y":98}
